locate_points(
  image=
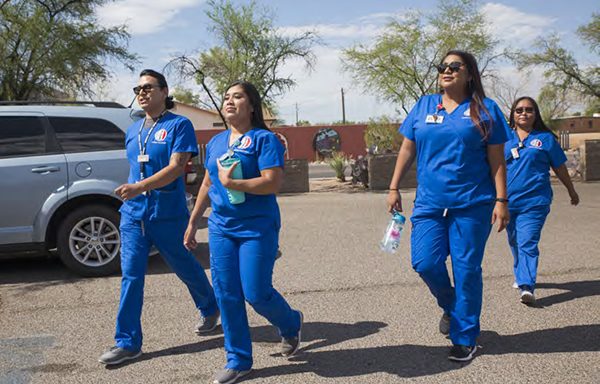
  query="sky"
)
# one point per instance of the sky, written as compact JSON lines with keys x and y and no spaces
{"x":161,"y":30}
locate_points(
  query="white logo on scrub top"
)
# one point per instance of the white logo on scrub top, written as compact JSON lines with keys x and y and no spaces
{"x":535,"y":143}
{"x":161,"y":135}
{"x":246,"y":142}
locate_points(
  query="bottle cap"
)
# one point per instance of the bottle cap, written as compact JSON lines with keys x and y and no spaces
{"x":399,"y":217}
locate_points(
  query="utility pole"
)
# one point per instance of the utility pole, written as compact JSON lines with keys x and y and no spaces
{"x":343,"y":108}
{"x":296,"y":114}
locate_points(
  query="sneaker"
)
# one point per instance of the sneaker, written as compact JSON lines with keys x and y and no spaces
{"x":118,"y":355}
{"x":229,"y":376}
{"x":289,"y":346}
{"x":279,"y":254}
{"x":515,"y":285}
{"x":527,"y":296}
{"x":445,"y":324}
{"x":462,"y":353}
{"x":207,"y":324}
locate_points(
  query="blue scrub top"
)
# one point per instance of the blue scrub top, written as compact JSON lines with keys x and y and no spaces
{"x":172,"y":134}
{"x":528,"y":176}
{"x":452,"y":164}
{"x":259,"y":149}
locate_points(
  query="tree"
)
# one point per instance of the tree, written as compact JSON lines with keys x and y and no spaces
{"x":186,"y":96}
{"x":562,"y":70}
{"x":55,"y":47}
{"x":554,"y":102}
{"x":250,"y":48}
{"x":399,"y":66}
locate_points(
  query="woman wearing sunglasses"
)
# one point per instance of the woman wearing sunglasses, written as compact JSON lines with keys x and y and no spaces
{"x":530,"y":153}
{"x":244,"y":171}
{"x":154,"y":212}
{"x":457,"y":138}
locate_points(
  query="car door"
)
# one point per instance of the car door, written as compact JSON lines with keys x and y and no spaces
{"x":31,"y":170}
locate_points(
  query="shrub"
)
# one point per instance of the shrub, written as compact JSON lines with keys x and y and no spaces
{"x":382,"y":135}
{"x":337,"y":162}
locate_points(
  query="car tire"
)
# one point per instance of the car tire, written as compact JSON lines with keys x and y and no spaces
{"x":89,"y":241}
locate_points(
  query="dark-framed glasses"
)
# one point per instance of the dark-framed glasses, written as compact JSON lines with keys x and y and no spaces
{"x":454,"y":66}
{"x":146,"y":88}
{"x":520,"y":110}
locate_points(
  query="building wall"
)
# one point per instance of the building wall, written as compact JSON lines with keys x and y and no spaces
{"x":201,"y":119}
{"x":299,"y":140}
{"x":578,"y":124}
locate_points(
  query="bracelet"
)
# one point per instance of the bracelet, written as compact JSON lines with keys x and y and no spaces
{"x":394,"y":189}
{"x":502,"y":200}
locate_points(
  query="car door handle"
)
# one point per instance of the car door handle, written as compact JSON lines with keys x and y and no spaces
{"x":45,"y":170}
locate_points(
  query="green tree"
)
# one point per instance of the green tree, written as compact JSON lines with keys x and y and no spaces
{"x":250,"y":48}
{"x":382,"y":134}
{"x":55,"y":47}
{"x":400,"y":65}
{"x":554,"y":102}
{"x":562,"y":70}
{"x":186,"y":96}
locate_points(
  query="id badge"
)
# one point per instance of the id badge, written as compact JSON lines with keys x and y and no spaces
{"x":434,"y":119}
{"x":143,"y":158}
{"x":515,"y":153}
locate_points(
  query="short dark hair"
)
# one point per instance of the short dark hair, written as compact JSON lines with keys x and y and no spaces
{"x":538,"y":123}
{"x":257,"y":120}
{"x":162,"y":82}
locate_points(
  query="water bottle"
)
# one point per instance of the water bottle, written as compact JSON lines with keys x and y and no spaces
{"x":235,"y":197}
{"x":391,"y":239}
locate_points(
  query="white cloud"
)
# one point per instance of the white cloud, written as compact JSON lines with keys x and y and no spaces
{"x":348,"y":31}
{"x":143,"y":16}
{"x":514,"y":26}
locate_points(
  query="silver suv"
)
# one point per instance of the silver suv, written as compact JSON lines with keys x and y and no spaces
{"x":59,"y":166}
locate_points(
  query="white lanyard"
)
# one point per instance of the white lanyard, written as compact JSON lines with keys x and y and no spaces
{"x":143,"y":157}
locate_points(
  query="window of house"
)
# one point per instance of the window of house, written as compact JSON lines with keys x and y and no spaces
{"x":79,"y":134}
{"x":22,"y":136}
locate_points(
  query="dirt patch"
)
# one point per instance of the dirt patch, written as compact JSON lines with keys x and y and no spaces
{"x":334,"y":185}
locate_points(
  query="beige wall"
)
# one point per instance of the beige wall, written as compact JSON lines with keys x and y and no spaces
{"x":200,"y":118}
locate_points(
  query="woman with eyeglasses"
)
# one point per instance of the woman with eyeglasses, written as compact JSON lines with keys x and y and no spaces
{"x":457,"y":138}
{"x":530,"y":153}
{"x":244,"y":171}
{"x":154,"y":212}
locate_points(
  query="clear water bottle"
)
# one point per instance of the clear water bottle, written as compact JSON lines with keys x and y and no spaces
{"x":391,"y":239}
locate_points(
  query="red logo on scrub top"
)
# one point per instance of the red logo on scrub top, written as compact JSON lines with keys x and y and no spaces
{"x":246,"y":142}
{"x":537,"y":143}
{"x":161,"y":135}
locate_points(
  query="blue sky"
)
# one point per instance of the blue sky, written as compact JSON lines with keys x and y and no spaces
{"x":161,"y":29}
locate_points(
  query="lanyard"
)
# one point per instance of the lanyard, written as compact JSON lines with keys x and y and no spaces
{"x":232,"y":147}
{"x":143,"y":148}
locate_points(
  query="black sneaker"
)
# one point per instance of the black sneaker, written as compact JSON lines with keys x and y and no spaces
{"x":289,"y":346}
{"x":229,"y":376}
{"x":445,"y":324}
{"x":462,"y":353}
{"x":118,"y":355}
{"x":207,"y":324}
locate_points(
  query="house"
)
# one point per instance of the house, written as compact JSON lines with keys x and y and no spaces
{"x":208,"y":119}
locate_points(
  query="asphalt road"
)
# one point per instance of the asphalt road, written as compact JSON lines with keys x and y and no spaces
{"x":368,"y":317}
{"x":322,"y":170}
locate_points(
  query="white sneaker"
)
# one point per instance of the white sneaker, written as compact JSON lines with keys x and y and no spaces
{"x":515,"y":285}
{"x":527,"y":297}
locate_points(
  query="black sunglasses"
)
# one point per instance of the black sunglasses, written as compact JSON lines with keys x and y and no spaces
{"x":146,"y":88}
{"x":454,"y":66}
{"x":520,"y":110}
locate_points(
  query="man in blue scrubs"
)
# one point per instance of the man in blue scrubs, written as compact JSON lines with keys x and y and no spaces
{"x":530,"y":153}
{"x":154,"y":212}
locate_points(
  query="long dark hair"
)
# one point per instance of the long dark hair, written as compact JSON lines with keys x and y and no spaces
{"x":162,"y":82}
{"x":538,"y":123}
{"x":475,"y":90}
{"x":257,"y":119}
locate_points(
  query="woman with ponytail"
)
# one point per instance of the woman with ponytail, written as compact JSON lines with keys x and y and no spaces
{"x":457,"y":138}
{"x":154,"y":213}
{"x":530,"y":153}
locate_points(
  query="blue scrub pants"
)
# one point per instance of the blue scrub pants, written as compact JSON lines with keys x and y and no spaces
{"x":167,"y":236}
{"x":462,"y":233}
{"x":524,"y":231}
{"x":242,"y":270}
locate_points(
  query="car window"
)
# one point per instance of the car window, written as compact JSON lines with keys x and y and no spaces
{"x":21,"y":136}
{"x":79,"y":134}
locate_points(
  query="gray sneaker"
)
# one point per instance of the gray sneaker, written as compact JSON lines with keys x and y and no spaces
{"x":229,"y":376}
{"x":289,"y":346}
{"x":207,"y":324}
{"x":118,"y":355}
{"x":445,"y":324}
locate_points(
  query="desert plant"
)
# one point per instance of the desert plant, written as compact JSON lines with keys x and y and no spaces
{"x":337,"y":162}
{"x":382,"y":135}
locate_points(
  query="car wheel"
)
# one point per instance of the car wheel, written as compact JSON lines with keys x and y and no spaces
{"x":89,"y":241}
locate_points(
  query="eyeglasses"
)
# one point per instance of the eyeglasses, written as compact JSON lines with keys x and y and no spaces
{"x":520,"y":110}
{"x":146,"y":88}
{"x":454,"y":66}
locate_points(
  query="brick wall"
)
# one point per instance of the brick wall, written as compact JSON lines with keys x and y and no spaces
{"x":590,"y":159}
